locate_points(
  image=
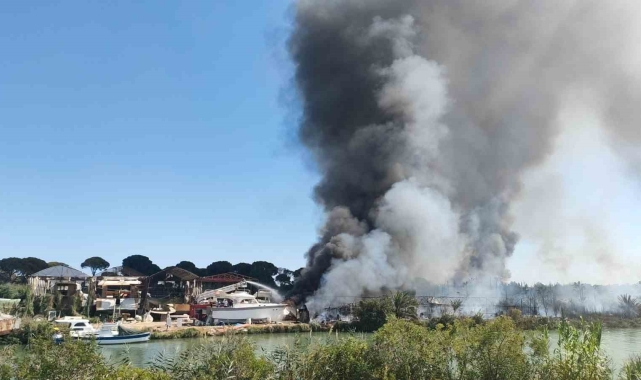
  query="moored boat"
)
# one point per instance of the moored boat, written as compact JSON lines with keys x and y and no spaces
{"x":234,"y":304}
{"x":113,"y":333}
{"x":78,"y":327}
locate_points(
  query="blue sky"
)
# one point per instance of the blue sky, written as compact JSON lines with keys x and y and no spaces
{"x":150,"y":128}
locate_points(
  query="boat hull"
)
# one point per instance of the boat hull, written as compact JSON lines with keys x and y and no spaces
{"x":123,"y":339}
{"x":273,"y":313}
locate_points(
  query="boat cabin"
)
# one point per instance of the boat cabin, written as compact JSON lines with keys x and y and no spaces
{"x":77,"y":326}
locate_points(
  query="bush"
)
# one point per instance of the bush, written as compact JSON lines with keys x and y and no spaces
{"x":13,"y":291}
{"x":578,"y":355}
{"x":343,"y":359}
{"x":29,"y":330}
{"x":232,"y":357}
{"x":405,"y":350}
{"x":494,"y":350}
{"x":42,"y":304}
{"x":632,"y":369}
{"x":372,"y":313}
{"x":515,"y":314}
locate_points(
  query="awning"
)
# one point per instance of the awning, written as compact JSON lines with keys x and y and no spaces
{"x":118,"y":283}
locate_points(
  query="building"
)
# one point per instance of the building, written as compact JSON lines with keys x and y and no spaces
{"x":172,"y":284}
{"x":59,"y":278}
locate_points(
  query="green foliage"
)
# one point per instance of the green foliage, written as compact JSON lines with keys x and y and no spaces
{"x":28,"y":303}
{"x":177,"y":334}
{"x":343,"y":359}
{"x":219,"y":267}
{"x":42,"y":304}
{"x":189,"y":266}
{"x":372,"y":313}
{"x":77,"y":304}
{"x":57,"y":263}
{"x":514,"y":314}
{"x":404,"y":305}
{"x":30,"y":329}
{"x":13,"y":291}
{"x":141,"y":264}
{"x":632,"y":369}
{"x":232,"y":357}
{"x":628,"y":305}
{"x":494,"y":350}
{"x":264,"y":272}
{"x":456,"y":304}
{"x":285,"y":279}
{"x":95,"y":264}
{"x":16,"y":269}
{"x":405,"y":350}
{"x":577,"y":357}
{"x":242,"y":268}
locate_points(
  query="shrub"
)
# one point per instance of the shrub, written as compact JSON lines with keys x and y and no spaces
{"x":494,"y":350}
{"x":515,"y":314}
{"x":13,"y":291}
{"x":372,"y":313}
{"x":232,"y":357}
{"x":404,"y":305}
{"x":578,"y":355}
{"x":342,"y":359}
{"x":632,"y":369}
{"x":405,"y":350}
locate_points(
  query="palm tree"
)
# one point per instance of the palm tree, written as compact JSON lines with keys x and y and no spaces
{"x":628,"y":304}
{"x":404,"y":305}
{"x":456,"y":304}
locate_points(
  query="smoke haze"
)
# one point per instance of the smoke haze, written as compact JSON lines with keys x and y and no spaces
{"x":423,"y":118}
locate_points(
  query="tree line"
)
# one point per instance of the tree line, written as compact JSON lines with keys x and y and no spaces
{"x":16,"y":270}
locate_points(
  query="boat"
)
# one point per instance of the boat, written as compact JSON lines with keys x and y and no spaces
{"x":114,"y":333}
{"x":78,"y":327}
{"x":109,"y":333}
{"x":234,"y":304}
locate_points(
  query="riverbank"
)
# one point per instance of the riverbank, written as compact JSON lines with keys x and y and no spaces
{"x":160,"y":331}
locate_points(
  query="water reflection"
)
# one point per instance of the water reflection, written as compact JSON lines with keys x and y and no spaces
{"x":141,"y":354}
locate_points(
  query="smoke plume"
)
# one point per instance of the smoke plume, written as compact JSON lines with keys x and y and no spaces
{"x":423,"y":115}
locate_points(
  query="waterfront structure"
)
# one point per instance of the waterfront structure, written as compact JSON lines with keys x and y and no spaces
{"x":59,"y":278}
{"x":170,"y":284}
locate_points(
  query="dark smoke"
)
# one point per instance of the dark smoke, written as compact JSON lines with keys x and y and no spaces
{"x":423,"y":115}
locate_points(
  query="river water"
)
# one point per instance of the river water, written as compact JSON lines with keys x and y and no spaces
{"x":619,"y":344}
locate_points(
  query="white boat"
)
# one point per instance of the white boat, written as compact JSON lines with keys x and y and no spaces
{"x":239,"y":306}
{"x":78,"y":327}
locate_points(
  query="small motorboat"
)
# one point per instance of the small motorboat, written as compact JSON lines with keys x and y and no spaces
{"x":78,"y":327}
{"x":113,"y":333}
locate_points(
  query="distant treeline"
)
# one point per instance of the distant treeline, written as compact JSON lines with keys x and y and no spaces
{"x":16,"y":270}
